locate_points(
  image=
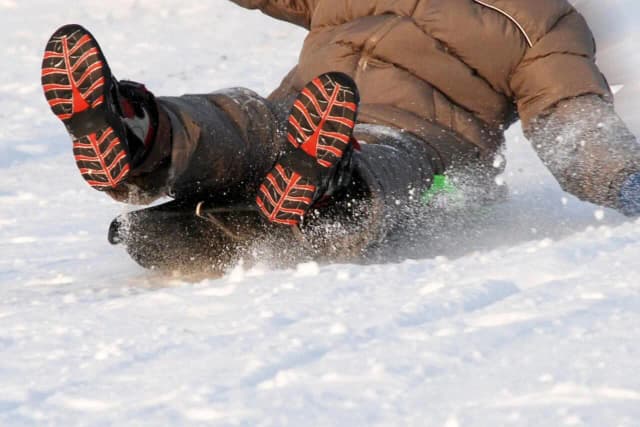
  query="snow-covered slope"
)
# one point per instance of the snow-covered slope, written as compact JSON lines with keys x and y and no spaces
{"x":530,"y":317}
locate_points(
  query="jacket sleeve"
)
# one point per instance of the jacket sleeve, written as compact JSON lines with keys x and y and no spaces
{"x":559,"y":66}
{"x":567,"y":113}
{"x":588,"y":149}
{"x":298,"y":12}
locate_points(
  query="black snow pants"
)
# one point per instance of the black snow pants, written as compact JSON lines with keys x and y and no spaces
{"x":218,"y":148}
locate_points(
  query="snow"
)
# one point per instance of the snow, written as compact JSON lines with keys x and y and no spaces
{"x":530,"y":317}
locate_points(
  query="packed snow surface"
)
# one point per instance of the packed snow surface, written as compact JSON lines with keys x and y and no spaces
{"x":530,"y":317}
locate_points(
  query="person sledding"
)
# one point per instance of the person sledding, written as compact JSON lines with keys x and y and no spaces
{"x":389,"y":100}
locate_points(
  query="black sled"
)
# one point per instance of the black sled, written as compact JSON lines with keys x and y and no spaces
{"x":192,"y":236}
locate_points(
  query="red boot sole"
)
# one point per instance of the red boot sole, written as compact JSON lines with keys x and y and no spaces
{"x":75,"y":80}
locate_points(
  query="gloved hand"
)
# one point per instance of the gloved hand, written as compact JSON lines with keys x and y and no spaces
{"x":630,"y":196}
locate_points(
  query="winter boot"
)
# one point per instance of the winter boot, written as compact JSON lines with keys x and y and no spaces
{"x":111,"y":123}
{"x":320,"y":128}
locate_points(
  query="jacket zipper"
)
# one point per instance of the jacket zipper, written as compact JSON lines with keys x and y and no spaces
{"x":520,"y":27}
{"x":371,"y":43}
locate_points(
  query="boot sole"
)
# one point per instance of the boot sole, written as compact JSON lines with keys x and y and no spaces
{"x":76,"y":81}
{"x":320,"y":128}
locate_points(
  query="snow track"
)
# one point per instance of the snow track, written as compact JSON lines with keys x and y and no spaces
{"x":531,"y":317}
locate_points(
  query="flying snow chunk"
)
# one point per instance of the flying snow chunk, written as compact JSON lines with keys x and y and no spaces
{"x":338,"y":329}
{"x":616,"y":88}
{"x":308,"y":269}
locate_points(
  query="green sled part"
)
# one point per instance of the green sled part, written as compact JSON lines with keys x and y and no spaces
{"x":441,"y":185}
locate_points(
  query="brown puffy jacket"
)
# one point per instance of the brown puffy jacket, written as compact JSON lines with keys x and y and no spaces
{"x":472,"y":67}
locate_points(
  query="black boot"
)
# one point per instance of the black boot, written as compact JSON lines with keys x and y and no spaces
{"x":112,"y":123}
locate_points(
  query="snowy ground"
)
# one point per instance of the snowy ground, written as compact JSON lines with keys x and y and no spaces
{"x":540,"y":328}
